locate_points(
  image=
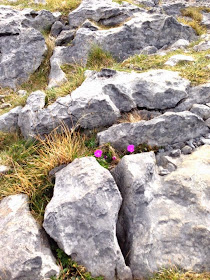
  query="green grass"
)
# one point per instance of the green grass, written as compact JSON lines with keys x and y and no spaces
{"x":63,"y":6}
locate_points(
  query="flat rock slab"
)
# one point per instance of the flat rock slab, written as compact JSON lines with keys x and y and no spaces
{"x":142,"y":30}
{"x":21,"y":48}
{"x":179,"y":58}
{"x":24,"y":249}
{"x":167,"y":129}
{"x":165,"y":221}
{"x":82,"y":216}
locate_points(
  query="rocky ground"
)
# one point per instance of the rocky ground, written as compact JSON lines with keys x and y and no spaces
{"x":104,"y":140}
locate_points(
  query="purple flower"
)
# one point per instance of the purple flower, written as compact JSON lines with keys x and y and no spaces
{"x":98,"y":153}
{"x":114,"y":158}
{"x":130,"y":148}
{"x":105,"y":157}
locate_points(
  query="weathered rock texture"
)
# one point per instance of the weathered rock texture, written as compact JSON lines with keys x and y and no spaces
{"x":9,"y":121}
{"x":142,"y":30}
{"x":101,"y":98}
{"x":24,"y":249}
{"x":83,"y":223}
{"x":164,"y":222}
{"x":21,"y":48}
{"x":170,"y":128}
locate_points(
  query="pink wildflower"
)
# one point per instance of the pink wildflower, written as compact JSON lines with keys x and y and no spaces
{"x":98,"y":153}
{"x":130,"y":148}
{"x":114,"y":158}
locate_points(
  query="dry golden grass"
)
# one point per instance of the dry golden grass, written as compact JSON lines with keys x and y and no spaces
{"x":31,"y":162}
{"x":131,"y":117}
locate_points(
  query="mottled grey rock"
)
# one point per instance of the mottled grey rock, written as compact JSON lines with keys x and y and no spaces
{"x":201,"y":110}
{"x":104,"y":95}
{"x":175,"y":153}
{"x":164,"y":218}
{"x":27,"y":118}
{"x":22,"y":48}
{"x":180,"y":44}
{"x":146,"y":3}
{"x":149,"y":50}
{"x":142,"y":30}
{"x":104,"y":12}
{"x":175,"y":59}
{"x":173,"y":9}
{"x":196,"y":95}
{"x":84,"y":222}
{"x":187,"y":150}
{"x":24,"y":249}
{"x":169,"y":128}
{"x":202,"y":46}
{"x":22,"y":92}
{"x":40,"y":20}
{"x":207,"y":122}
{"x":206,"y":20}
{"x":56,"y":28}
{"x":205,"y":141}
{"x":9,"y":121}
{"x":65,"y":37}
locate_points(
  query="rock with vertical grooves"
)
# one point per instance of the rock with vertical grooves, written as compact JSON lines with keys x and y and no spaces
{"x":24,"y":249}
{"x":164,"y":221}
{"x":83,"y":223}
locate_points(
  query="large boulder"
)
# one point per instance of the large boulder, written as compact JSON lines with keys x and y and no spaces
{"x":83,"y":223}
{"x":142,"y":30}
{"x":164,"y":221}
{"x":24,"y":249}
{"x":167,"y":129}
{"x":103,"y":95}
{"x":21,"y":48}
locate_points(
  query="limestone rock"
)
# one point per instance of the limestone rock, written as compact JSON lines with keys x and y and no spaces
{"x":65,"y":37}
{"x":206,"y":20}
{"x":175,"y":59}
{"x":170,"y":128}
{"x":180,"y":44}
{"x":22,"y":48}
{"x":9,"y":121}
{"x":165,"y":218}
{"x":84,"y":222}
{"x":196,"y":95}
{"x":104,"y":12}
{"x":23,"y":239}
{"x":201,"y":110}
{"x":27,"y":118}
{"x":103,"y":95}
{"x":143,"y":30}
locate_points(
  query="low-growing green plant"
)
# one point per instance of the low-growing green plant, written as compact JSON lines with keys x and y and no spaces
{"x":70,"y":270}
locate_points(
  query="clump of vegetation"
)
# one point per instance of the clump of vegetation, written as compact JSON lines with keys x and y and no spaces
{"x":65,"y":6}
{"x":174,"y":273}
{"x":197,"y":72}
{"x":195,"y":13}
{"x":70,"y":270}
{"x":99,"y":58}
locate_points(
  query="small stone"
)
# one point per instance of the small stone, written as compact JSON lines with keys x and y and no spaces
{"x":5,"y":105}
{"x":175,"y":59}
{"x":22,"y":92}
{"x":201,"y":110}
{"x":4,"y":169}
{"x":187,"y":150}
{"x":207,"y":56}
{"x":149,"y":50}
{"x":175,"y":153}
{"x":170,"y":167}
{"x":2,"y":96}
{"x":205,"y":141}
{"x":163,"y":171}
{"x":56,"y":28}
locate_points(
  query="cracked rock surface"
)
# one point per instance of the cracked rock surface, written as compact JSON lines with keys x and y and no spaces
{"x":24,"y":248}
{"x":84,"y":222}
